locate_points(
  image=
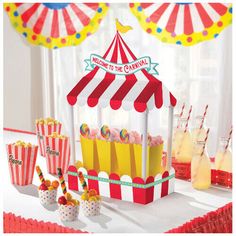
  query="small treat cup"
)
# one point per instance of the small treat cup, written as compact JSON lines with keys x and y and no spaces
{"x":45,"y":130}
{"x":47,"y":197}
{"x":68,"y":212}
{"x":21,"y":162}
{"x":91,"y":208}
{"x":57,"y":154}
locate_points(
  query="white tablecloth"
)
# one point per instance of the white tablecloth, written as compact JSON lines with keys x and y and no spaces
{"x":116,"y":216}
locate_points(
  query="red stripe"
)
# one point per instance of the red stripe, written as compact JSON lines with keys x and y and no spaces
{"x":206,"y":20}
{"x":156,"y":15}
{"x":172,"y":100}
{"x":105,"y":83}
{"x":35,"y":152}
{"x":84,"y":19}
{"x":158,"y":96}
{"x":28,"y":13}
{"x":55,"y":26}
{"x":69,"y":24}
{"x":54,"y":169}
{"x":23,"y":154}
{"x":28,"y":163}
{"x":170,"y":27}
{"x":93,"y":6}
{"x":165,"y":185}
{"x":93,"y":184}
{"x":72,"y":96}
{"x":219,"y":8}
{"x":40,"y":22}
{"x":18,"y":131}
{"x":116,"y":100}
{"x":16,"y":166}
{"x":18,"y":4}
{"x":62,"y":154}
{"x":145,"y":5}
{"x":115,"y":189}
{"x":188,"y":25}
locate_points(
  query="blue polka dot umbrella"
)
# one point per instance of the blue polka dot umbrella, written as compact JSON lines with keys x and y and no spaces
{"x":183,"y":23}
{"x":56,"y":25}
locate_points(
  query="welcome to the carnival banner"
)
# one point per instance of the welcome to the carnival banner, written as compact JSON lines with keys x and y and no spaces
{"x":121,"y":69}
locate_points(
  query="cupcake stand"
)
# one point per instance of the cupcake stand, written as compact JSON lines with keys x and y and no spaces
{"x":120,"y":80}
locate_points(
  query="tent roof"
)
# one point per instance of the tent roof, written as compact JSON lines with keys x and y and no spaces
{"x":140,"y":90}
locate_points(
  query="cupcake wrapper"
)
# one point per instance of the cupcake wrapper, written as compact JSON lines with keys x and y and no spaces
{"x":21,"y":162}
{"x":68,"y":213}
{"x":47,"y":197}
{"x":44,"y":130}
{"x":57,"y":154}
{"x":91,"y":208}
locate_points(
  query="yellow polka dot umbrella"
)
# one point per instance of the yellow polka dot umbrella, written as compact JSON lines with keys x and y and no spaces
{"x":56,"y":25}
{"x":183,"y":23}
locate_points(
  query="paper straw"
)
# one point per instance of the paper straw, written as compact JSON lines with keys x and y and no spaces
{"x":40,"y":174}
{"x":189,"y":114}
{"x":82,"y":181}
{"x":181,"y":113}
{"x":62,"y":180}
{"x":204,"y":115}
{"x":205,"y":140}
{"x":228,"y":140}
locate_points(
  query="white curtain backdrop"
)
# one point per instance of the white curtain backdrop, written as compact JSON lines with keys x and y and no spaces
{"x":197,"y":75}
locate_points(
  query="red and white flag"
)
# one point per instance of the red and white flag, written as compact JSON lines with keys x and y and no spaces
{"x":57,"y":154}
{"x":44,"y":130}
{"x":21,"y":161}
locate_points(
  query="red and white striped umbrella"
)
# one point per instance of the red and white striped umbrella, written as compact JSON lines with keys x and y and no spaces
{"x":183,"y":23}
{"x":56,"y":25}
{"x":139,"y":90}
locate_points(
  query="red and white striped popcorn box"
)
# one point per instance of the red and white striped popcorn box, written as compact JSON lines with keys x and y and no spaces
{"x":21,"y":162}
{"x":57,"y":154}
{"x":45,"y":130}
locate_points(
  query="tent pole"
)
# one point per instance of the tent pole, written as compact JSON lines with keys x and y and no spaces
{"x":72,"y":135}
{"x":144,"y":143}
{"x":169,"y":137}
{"x":99,"y":117}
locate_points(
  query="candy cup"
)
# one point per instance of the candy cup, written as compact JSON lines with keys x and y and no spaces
{"x":105,"y":132}
{"x":124,"y":136}
{"x":47,"y":197}
{"x":84,"y":130}
{"x":91,"y":208}
{"x":68,"y":212}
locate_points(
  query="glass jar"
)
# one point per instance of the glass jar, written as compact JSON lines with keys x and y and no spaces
{"x":223,"y":158}
{"x":200,"y":167}
{"x":176,"y":125}
{"x":199,"y":134}
{"x":183,"y":142}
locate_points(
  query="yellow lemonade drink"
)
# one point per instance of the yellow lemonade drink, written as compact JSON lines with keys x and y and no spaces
{"x":184,"y":146}
{"x":200,"y":167}
{"x":223,"y":158}
{"x":199,"y":134}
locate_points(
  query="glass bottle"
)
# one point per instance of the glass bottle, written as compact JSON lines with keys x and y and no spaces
{"x":184,"y":146}
{"x":200,"y":167}
{"x":223,"y":158}
{"x":197,"y":133}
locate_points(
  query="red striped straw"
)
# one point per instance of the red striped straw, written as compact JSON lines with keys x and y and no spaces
{"x":181,"y":113}
{"x":189,"y":114}
{"x":204,"y":115}
{"x":230,"y":135}
{"x":205,"y":140}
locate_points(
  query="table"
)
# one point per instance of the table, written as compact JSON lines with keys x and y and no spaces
{"x":116,"y":216}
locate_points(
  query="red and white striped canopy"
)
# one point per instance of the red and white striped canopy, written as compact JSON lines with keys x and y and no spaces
{"x":140,"y":90}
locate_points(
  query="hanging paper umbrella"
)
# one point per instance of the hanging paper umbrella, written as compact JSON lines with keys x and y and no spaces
{"x":183,"y":23}
{"x":56,"y":25}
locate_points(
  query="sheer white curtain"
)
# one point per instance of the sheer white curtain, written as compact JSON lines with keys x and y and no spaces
{"x":197,"y":75}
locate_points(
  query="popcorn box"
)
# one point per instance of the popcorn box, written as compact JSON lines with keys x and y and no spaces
{"x":154,"y":158}
{"x":45,"y":130}
{"x":106,"y":155}
{"x":125,"y":159}
{"x":21,"y":162}
{"x":47,"y":197}
{"x":89,"y":153}
{"x":68,"y":213}
{"x":91,"y":208}
{"x":57,"y":154}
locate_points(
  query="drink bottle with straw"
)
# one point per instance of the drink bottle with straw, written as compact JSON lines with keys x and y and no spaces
{"x":199,"y":130}
{"x":223,"y":158}
{"x":200,"y":167}
{"x":183,"y":143}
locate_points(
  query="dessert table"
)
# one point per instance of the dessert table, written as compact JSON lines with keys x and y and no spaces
{"x":160,"y":216}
